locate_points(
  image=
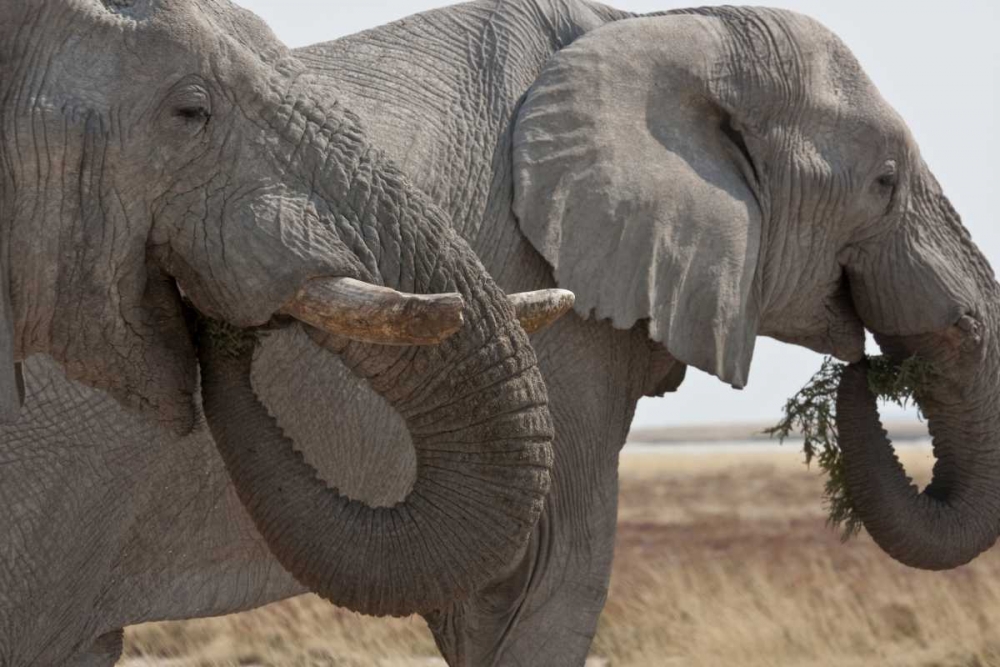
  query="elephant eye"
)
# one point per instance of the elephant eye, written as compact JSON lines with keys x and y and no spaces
{"x":190,"y":120}
{"x":889,"y":178}
{"x":193,"y":113}
{"x":189,"y":106}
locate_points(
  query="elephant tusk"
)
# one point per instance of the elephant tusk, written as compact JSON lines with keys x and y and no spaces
{"x":372,"y":314}
{"x":369,"y":313}
{"x":539,"y":309}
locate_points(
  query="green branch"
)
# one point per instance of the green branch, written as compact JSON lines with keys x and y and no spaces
{"x":225,"y":337}
{"x":812,"y":413}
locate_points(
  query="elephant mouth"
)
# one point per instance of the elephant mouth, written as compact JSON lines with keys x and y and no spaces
{"x":949,"y":350}
{"x":353,"y":310}
{"x":845,"y":333}
{"x":347,"y":310}
{"x":946,"y":347}
{"x":337,"y":311}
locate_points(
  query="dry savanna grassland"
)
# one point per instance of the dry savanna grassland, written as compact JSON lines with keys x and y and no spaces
{"x":722,"y":559}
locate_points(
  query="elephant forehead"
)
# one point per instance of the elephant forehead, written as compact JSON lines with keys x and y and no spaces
{"x":88,"y":60}
{"x":101,"y":54}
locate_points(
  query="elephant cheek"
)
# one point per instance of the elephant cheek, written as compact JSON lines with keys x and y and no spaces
{"x":834,"y":328}
{"x":148,"y":365}
{"x":845,"y":330}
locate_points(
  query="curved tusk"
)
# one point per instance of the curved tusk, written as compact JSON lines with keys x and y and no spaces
{"x":372,"y":314}
{"x":537,"y":310}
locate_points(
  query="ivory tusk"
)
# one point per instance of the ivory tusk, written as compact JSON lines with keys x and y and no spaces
{"x":372,"y":314}
{"x":539,"y":309}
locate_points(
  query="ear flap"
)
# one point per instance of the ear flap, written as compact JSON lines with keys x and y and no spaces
{"x":632,"y":182}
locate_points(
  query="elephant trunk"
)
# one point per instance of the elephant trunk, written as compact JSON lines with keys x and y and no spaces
{"x":955,"y":518}
{"x":475,"y":407}
{"x":482,"y":434}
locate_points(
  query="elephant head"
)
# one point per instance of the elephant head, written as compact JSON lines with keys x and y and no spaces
{"x":160,"y":154}
{"x":726,"y":173}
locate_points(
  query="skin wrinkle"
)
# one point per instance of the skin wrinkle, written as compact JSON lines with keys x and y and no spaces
{"x":416,"y":407}
{"x":370,"y":258}
{"x":461,"y":517}
{"x":445,"y":532}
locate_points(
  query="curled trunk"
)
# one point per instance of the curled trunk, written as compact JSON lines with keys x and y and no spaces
{"x":955,"y":518}
{"x":476,"y":410}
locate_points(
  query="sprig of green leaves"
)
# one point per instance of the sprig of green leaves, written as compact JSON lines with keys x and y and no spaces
{"x":225,"y":337}
{"x":812,"y":413}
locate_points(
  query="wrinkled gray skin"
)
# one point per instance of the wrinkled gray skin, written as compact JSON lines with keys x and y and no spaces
{"x":698,"y":179}
{"x":153,"y":149}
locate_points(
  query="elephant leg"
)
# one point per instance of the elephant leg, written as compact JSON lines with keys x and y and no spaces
{"x":544,"y":609}
{"x":105,"y":651}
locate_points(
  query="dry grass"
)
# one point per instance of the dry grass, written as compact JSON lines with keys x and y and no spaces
{"x":302,"y":632}
{"x":722,"y":560}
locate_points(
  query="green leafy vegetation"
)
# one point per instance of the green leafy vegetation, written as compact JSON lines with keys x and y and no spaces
{"x":223,"y":336}
{"x":812,"y":414}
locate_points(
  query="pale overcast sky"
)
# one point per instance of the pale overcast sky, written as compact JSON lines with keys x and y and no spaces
{"x":937,"y":63}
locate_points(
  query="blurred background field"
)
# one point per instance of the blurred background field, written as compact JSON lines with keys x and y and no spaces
{"x":723,"y":558}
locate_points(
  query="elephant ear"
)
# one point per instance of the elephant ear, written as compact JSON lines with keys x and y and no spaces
{"x":632,"y":180}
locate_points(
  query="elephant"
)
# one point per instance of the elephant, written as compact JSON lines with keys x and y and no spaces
{"x":698,"y":178}
{"x":176,"y":195}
